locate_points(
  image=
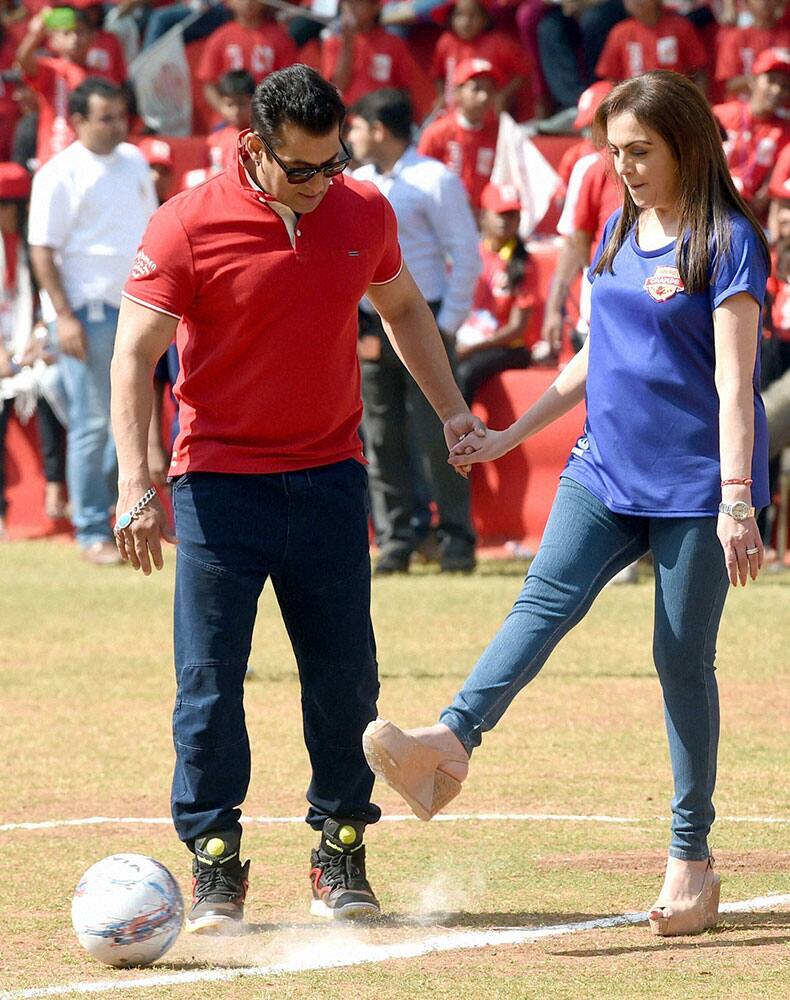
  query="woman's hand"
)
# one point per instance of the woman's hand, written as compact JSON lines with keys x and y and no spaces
{"x":473,"y":450}
{"x":743,"y":547}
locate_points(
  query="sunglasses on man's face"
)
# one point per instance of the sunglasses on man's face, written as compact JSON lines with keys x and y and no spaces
{"x":300,"y":175}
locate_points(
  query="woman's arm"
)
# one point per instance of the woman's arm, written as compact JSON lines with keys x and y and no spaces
{"x":736,"y":329}
{"x":562,"y":395}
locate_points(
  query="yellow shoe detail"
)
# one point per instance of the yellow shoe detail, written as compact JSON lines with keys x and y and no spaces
{"x":215,"y":847}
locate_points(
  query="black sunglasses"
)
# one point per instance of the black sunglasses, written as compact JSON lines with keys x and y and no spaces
{"x":300,"y":175}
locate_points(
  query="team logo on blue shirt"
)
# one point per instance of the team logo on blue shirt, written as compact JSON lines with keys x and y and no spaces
{"x":663,"y":284}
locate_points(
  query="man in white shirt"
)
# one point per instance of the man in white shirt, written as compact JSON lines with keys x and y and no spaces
{"x":89,"y":207}
{"x":439,"y":240}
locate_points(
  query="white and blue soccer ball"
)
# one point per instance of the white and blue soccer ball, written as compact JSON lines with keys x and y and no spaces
{"x":127,"y":910}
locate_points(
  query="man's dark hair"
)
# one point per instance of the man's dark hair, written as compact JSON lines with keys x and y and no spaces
{"x":236,"y":83}
{"x":390,"y":107}
{"x":80,"y":96}
{"x":299,"y":96}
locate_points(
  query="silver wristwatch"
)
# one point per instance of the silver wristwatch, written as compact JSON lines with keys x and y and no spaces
{"x":739,"y":510}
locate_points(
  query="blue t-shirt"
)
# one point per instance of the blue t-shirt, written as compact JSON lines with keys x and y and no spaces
{"x":651,"y":440}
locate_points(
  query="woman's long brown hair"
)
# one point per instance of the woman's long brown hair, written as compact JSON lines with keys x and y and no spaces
{"x":675,"y":108}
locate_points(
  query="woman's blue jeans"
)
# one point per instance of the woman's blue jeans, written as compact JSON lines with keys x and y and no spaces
{"x":583,"y":547}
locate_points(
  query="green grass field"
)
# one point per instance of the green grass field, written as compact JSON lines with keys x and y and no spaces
{"x":86,"y":688}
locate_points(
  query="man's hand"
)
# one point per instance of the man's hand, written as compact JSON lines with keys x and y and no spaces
{"x":458,"y":427}
{"x":71,"y":336}
{"x":141,"y":543}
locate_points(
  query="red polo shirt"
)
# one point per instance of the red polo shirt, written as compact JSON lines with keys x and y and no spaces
{"x":269,"y":378}
{"x":259,"y":50}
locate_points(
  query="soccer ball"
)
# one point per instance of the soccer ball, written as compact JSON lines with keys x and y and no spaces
{"x":127,"y":910}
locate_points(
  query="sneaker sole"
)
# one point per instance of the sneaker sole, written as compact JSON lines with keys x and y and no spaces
{"x":216,"y":925}
{"x":351,"y":911}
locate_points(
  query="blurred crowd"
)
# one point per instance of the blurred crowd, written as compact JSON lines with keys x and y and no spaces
{"x":431,"y":87}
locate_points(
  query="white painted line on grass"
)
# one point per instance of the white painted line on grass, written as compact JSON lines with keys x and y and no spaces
{"x":54,"y":824}
{"x":367,"y":954}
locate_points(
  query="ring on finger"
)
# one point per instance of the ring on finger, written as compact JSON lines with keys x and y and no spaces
{"x":752,"y":552}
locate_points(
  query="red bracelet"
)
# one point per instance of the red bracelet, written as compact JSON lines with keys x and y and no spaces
{"x":737,"y":482}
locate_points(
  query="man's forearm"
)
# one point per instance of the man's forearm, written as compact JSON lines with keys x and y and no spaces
{"x":47,"y":274}
{"x":132,"y":393}
{"x":417,"y":341}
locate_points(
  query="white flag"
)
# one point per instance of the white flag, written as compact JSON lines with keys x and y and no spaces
{"x":163,"y":84}
{"x":519,"y":162}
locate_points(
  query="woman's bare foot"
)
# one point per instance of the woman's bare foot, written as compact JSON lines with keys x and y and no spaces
{"x":439,"y":737}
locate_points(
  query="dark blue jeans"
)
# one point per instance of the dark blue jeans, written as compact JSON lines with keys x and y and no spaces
{"x":308,"y":531}
{"x":584,"y":546}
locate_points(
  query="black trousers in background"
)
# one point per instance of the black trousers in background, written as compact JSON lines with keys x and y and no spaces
{"x":395,"y":413}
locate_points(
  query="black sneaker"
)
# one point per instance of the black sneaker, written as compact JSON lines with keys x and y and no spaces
{"x":341,"y":890}
{"x":219,"y":884}
{"x":457,"y":555}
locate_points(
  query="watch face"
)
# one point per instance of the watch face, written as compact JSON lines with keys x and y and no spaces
{"x":740,"y":510}
{"x":123,"y":521}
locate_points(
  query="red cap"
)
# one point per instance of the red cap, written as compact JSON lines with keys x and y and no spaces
{"x":157,"y":152}
{"x":589,"y":101}
{"x":500,"y":198}
{"x":772,"y":61}
{"x":470,"y":68}
{"x":14,"y":182}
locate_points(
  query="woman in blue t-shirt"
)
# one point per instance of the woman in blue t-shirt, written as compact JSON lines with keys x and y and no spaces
{"x":673,"y":460}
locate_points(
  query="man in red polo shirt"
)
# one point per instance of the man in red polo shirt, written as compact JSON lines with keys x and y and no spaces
{"x":259,"y":272}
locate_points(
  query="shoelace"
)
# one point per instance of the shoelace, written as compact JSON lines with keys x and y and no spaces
{"x":218,"y":881}
{"x":343,"y":870}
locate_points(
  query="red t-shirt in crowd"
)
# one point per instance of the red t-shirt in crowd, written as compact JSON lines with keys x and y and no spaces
{"x":105,"y":57}
{"x":258,"y":50}
{"x":269,"y":378}
{"x":380,"y":60}
{"x":633,"y":48}
{"x":54,"y":80}
{"x":599,"y":196}
{"x":569,"y":159}
{"x":493,"y":295}
{"x":737,"y":48}
{"x":466,"y":150}
{"x":503,"y":52}
{"x":222,"y":146}
{"x":9,"y":108}
{"x":752,"y":144}
{"x":779,"y":290}
{"x":780,"y":176}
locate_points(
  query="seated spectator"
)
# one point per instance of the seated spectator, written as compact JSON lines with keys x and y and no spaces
{"x":235,"y":91}
{"x":53,"y":78}
{"x":492,"y":339}
{"x":159,"y":157}
{"x":365,"y":57}
{"x":737,"y":48}
{"x":252,"y":40}
{"x":465,"y":138}
{"x":757,"y":128}
{"x":651,"y":38}
{"x":569,"y":37}
{"x":472,"y":35}
{"x":105,"y":55}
